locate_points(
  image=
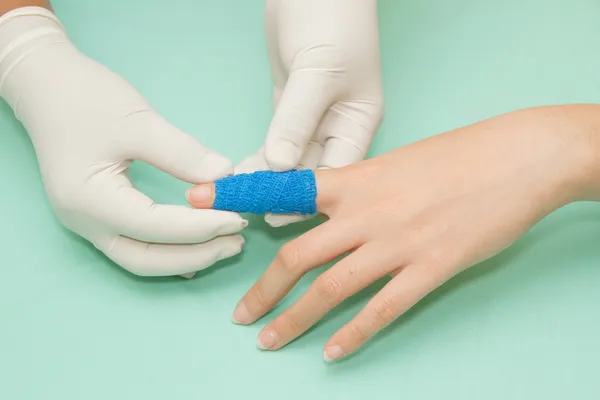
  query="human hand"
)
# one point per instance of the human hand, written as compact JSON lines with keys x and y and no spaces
{"x":422,"y":214}
{"x":328,"y":97}
{"x":87,"y":125}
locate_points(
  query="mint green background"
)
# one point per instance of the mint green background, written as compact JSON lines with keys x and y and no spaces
{"x":525,"y":325}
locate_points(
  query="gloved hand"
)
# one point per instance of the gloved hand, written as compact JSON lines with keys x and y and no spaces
{"x":324,"y":57}
{"x":87,"y":125}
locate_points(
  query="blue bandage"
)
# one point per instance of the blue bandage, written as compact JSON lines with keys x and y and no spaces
{"x":291,"y":192}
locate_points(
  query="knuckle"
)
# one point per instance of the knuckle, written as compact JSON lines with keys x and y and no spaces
{"x":357,"y":335}
{"x":354,"y":269}
{"x":417,"y":231}
{"x":290,"y":129}
{"x":259,"y":296}
{"x":289,"y":324}
{"x":328,"y":289}
{"x":288,"y":257}
{"x":385,"y":312}
{"x":134,"y":262}
{"x":434,"y":258}
{"x":329,"y":57}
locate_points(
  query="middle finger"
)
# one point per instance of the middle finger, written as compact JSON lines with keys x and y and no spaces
{"x":352,"y":274}
{"x":309,"y":251}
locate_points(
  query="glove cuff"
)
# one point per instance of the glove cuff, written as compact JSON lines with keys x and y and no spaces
{"x":22,"y":31}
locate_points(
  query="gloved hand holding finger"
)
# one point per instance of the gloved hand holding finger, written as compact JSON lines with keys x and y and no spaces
{"x":328,"y":98}
{"x":87,"y":125}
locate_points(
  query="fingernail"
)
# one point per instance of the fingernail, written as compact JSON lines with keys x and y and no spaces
{"x":333,"y":353}
{"x":267,"y":340}
{"x":199,"y":194}
{"x":244,"y":223}
{"x":241,"y":314}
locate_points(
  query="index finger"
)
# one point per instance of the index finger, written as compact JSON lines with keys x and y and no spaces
{"x":309,"y":251}
{"x":291,"y":192}
{"x":302,"y":192}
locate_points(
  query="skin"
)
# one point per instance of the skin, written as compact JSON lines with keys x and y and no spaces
{"x":8,"y":5}
{"x":422,"y":214}
{"x":481,"y":188}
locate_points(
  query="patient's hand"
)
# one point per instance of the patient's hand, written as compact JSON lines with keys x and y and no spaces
{"x":422,"y":214}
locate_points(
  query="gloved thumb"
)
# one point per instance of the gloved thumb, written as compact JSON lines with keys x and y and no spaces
{"x":175,"y":152}
{"x":304,"y":101}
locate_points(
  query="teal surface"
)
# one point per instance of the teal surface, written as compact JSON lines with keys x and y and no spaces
{"x":525,"y":325}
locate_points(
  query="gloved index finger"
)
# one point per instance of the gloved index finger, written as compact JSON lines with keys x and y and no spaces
{"x":261,"y":192}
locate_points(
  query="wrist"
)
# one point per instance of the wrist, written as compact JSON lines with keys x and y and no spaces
{"x":578,"y":130}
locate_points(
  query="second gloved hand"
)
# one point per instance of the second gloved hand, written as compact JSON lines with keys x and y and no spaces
{"x":87,"y":125}
{"x":328,"y":96}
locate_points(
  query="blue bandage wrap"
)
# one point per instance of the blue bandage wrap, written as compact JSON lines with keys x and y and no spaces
{"x":261,"y":192}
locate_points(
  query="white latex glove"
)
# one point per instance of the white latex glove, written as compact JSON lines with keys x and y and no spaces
{"x":87,"y":125}
{"x":325,"y":62}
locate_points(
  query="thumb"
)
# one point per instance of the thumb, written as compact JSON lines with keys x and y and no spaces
{"x":304,"y":192}
{"x":306,"y":97}
{"x":175,"y":152}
